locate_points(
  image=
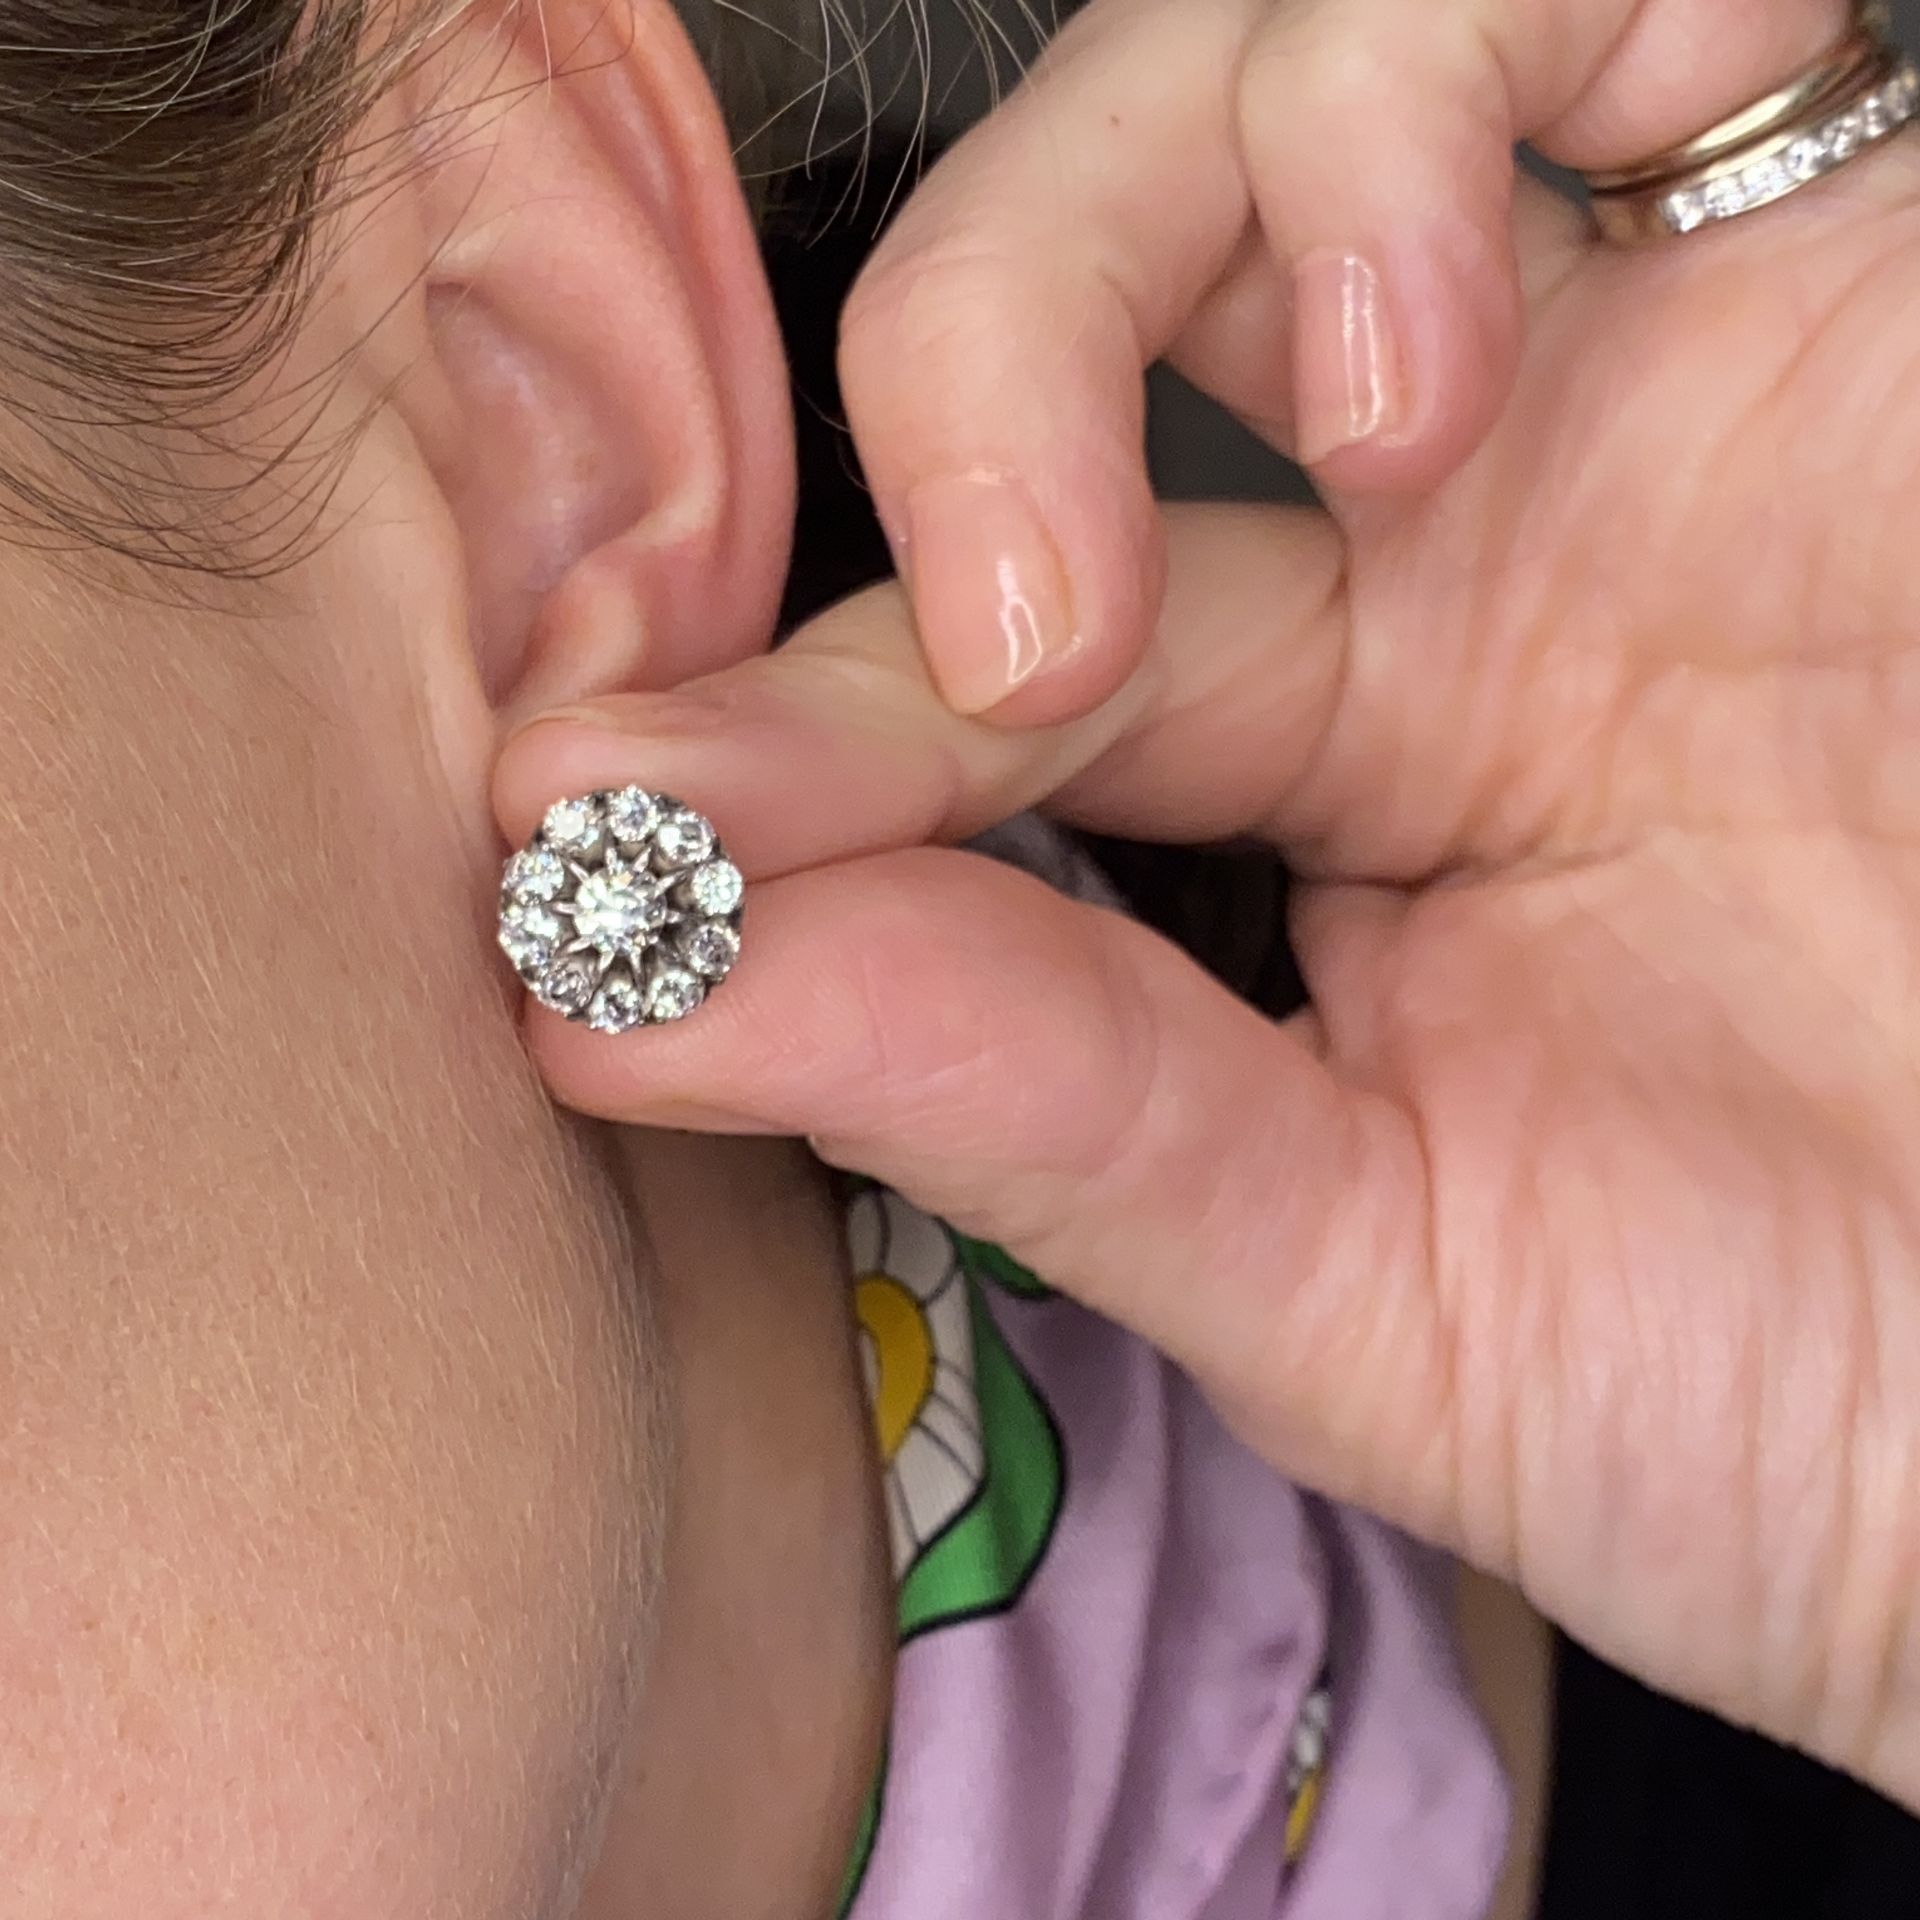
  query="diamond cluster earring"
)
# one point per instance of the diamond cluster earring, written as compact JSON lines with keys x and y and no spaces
{"x":623,"y":910}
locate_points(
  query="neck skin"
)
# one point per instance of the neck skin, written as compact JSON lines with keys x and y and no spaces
{"x":359,"y":1032}
{"x":758,"y":1714}
{"x":762,"y":1708}
{"x":762,"y":1726}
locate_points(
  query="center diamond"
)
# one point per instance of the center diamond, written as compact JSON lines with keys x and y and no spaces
{"x":618,"y":911}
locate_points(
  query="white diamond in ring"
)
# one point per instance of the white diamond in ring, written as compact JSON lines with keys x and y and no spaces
{"x":623,"y":910}
{"x":1847,"y":103}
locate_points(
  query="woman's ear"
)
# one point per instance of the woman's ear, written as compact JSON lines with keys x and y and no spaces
{"x":595,"y":376}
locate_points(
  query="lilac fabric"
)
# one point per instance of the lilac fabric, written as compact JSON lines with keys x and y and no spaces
{"x":1115,"y":1746}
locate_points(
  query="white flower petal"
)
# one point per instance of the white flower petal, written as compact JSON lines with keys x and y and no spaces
{"x":899,"y":1526}
{"x":919,"y":1252}
{"x":958,"y":1430}
{"x":933,"y":1485}
{"x":867,"y":1233}
{"x":950,"y":1323}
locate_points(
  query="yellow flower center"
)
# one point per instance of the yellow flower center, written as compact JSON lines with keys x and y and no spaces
{"x":896,"y":1323}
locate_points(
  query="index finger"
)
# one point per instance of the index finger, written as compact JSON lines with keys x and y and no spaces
{"x":1311,"y":204}
{"x":993,"y":352}
{"x":837,"y":745}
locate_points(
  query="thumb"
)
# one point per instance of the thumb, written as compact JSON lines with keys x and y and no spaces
{"x":1060,"y":1080}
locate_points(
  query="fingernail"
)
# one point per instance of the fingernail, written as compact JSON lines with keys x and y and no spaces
{"x":989,"y":590}
{"x":1348,"y":377}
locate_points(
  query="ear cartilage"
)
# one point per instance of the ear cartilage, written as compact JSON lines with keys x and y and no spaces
{"x":623,"y":910}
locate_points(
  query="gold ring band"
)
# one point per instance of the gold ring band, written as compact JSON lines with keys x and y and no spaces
{"x":1834,"y":125}
{"x":1808,"y":92}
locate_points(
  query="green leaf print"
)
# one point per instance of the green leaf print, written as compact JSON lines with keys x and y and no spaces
{"x":986,"y":1262}
{"x":981,"y":1564}
{"x":983,"y":1561}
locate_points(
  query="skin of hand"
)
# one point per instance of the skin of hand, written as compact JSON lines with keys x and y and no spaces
{"x":1577,"y":1226}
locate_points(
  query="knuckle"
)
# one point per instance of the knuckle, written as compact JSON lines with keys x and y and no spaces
{"x":932,"y":299}
{"x":1305,"y":65}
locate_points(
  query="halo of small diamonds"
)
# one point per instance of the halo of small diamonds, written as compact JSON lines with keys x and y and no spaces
{"x":623,"y":910}
{"x":1775,"y":174}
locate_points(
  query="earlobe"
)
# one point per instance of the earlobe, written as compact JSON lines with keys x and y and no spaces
{"x":603,"y":398}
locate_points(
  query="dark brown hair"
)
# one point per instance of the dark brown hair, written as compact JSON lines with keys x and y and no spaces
{"x":162,"y":167}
